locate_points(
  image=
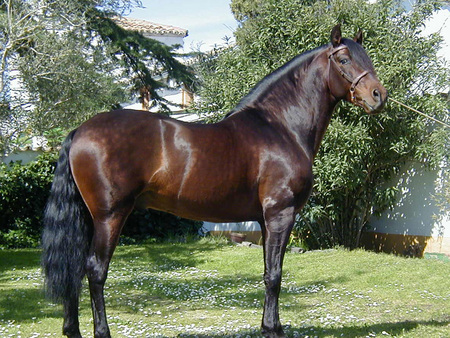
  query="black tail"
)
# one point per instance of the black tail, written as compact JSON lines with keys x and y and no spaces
{"x":65,"y":239}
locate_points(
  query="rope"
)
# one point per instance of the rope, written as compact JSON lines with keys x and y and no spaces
{"x":419,"y":112}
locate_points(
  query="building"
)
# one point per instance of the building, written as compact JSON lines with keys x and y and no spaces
{"x":169,"y":35}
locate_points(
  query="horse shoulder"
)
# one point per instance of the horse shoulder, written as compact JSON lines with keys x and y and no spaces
{"x":285,"y":179}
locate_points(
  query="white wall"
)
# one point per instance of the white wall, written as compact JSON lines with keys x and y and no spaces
{"x":414,"y":213}
{"x":167,"y":39}
{"x":25,"y":156}
{"x":241,"y":226}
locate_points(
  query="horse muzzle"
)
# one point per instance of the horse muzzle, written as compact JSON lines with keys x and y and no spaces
{"x":374,"y":102}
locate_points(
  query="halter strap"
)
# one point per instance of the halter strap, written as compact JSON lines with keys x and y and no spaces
{"x":354,"y":82}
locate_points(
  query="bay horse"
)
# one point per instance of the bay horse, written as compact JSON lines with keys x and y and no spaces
{"x":255,"y":164}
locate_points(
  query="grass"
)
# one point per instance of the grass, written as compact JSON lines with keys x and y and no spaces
{"x":206,"y":289}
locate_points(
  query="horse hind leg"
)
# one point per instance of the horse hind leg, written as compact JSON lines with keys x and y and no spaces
{"x":71,"y":326}
{"x":106,"y":235}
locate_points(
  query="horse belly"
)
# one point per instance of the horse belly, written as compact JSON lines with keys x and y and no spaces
{"x":203,"y":202}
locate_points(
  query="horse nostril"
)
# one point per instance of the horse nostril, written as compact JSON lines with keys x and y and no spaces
{"x":376,"y":94}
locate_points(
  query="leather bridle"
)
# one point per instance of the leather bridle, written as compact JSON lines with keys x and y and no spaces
{"x":354,"y":82}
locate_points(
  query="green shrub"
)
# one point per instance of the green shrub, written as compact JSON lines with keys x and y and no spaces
{"x":24,"y":191}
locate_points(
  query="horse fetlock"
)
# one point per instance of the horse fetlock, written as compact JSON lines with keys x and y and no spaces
{"x":72,"y":332}
{"x":102,"y":332}
{"x":276,"y":332}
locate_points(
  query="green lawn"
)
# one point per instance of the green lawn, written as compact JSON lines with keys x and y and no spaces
{"x":205,"y":289}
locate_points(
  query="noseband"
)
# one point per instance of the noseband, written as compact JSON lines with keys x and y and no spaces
{"x":354,"y":82}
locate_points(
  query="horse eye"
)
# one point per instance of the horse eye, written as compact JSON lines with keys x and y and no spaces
{"x":344,"y":61}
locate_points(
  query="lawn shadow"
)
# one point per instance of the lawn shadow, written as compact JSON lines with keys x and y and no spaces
{"x":22,"y":305}
{"x":390,"y":329}
{"x":19,"y":259}
{"x":247,"y":289}
{"x":165,"y":258}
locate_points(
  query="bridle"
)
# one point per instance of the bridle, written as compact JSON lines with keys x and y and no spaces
{"x":354,"y":82}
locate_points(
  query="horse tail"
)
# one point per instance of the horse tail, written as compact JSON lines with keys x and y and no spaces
{"x":66,"y":234}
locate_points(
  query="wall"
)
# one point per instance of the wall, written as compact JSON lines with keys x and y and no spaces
{"x":411,"y":227}
{"x":169,"y":40}
{"x":26,"y":156}
{"x":252,"y":230}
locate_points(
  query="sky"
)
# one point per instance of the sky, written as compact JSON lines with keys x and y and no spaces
{"x":207,"y":21}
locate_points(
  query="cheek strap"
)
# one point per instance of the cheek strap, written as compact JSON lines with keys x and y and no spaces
{"x":354,"y":82}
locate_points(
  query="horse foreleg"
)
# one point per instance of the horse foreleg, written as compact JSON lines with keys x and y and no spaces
{"x":276,"y":230}
{"x":106,"y":235}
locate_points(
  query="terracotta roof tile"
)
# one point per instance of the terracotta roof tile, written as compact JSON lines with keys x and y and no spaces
{"x":144,"y":26}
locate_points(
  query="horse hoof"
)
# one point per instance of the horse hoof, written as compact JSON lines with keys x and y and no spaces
{"x":102,"y":333}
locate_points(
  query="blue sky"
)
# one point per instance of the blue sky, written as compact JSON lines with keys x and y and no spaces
{"x":207,"y":21}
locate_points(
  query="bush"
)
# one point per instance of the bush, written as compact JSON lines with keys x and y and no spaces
{"x":24,"y":190}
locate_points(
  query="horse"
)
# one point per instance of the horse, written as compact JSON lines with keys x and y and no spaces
{"x":255,"y":164}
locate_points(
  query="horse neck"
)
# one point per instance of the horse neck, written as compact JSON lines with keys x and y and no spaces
{"x":302,"y":105}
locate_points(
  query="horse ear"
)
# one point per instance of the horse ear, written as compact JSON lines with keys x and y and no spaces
{"x":358,"y":37}
{"x":336,"y":35}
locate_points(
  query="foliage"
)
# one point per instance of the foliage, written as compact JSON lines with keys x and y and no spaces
{"x":24,"y":191}
{"x":63,"y":61}
{"x":201,"y":289}
{"x":359,"y":154}
{"x":245,"y":9}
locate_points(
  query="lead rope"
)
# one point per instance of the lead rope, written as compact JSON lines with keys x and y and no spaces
{"x":419,"y":112}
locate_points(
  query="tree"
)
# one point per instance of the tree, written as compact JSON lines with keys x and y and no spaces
{"x":359,"y":153}
{"x":245,"y":9}
{"x":63,"y":61}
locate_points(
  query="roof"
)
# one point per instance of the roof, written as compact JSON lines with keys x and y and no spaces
{"x":143,"y":26}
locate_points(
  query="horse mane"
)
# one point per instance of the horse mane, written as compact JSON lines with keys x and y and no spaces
{"x":267,"y":83}
{"x":288,"y":69}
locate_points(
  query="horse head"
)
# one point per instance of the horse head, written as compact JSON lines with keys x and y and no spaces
{"x":351,"y":75}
